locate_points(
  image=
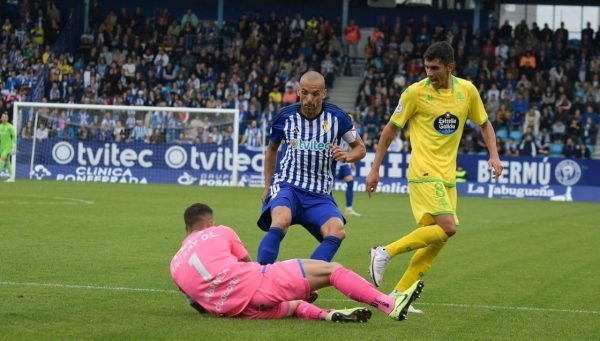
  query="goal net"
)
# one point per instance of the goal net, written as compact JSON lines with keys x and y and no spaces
{"x":126,"y":144}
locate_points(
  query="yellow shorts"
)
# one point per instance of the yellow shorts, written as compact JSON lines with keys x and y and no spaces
{"x":429,"y":199}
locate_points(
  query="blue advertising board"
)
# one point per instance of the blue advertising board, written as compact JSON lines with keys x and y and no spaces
{"x":211,"y":165}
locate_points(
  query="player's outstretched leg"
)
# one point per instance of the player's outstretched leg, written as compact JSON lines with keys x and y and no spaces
{"x":308,"y":311}
{"x":321,"y":274}
{"x":404,"y":301}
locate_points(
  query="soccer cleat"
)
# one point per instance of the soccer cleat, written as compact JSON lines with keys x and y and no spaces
{"x":411,"y":309}
{"x":379,"y":260}
{"x":404,"y":300}
{"x":359,"y":314}
{"x":313,"y":296}
{"x":10,"y":180}
{"x":352,"y":212}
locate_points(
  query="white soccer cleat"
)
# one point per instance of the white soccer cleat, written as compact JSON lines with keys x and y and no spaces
{"x":379,"y":260}
{"x":10,"y":180}
{"x":411,"y":308}
{"x":352,"y":212}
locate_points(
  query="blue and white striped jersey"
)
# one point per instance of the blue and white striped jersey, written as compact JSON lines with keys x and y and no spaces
{"x":308,"y":162}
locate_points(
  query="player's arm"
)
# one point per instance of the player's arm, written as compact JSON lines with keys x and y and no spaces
{"x":489,"y":137}
{"x":357,"y":150}
{"x":387,"y":137}
{"x":194,"y":304}
{"x":13,"y":139}
{"x":478,"y":114}
{"x":269,"y":167}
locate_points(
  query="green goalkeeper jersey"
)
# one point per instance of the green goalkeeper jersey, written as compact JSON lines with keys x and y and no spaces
{"x":8,"y":138}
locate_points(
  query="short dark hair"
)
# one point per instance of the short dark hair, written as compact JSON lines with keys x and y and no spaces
{"x":195,"y":213}
{"x":440,"y":50}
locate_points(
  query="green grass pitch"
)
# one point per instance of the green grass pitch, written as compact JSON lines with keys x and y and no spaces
{"x":81,"y":261}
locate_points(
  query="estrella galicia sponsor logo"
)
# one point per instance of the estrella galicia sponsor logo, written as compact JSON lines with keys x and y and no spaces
{"x":567,"y":172}
{"x":309,"y":145}
{"x":446,"y":124}
{"x":63,"y":153}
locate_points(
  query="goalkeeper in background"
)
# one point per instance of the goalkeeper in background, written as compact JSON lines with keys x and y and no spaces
{"x":8,"y":145}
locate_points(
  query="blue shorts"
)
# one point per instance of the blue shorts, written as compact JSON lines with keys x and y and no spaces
{"x":310,"y":210}
{"x":344,"y":170}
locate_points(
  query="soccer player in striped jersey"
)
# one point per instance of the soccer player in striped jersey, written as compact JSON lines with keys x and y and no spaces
{"x":300,"y":191}
{"x":437,"y":108}
{"x":344,"y":173}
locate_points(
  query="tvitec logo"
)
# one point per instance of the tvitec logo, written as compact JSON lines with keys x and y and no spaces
{"x":312,"y":145}
{"x":107,"y":155}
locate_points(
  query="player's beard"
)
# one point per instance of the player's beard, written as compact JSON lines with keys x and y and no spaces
{"x":311,"y":110}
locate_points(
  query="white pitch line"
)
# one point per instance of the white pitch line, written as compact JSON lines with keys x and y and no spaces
{"x":38,"y":203}
{"x":94,"y":287}
{"x":69,"y":201}
{"x":168,"y":291}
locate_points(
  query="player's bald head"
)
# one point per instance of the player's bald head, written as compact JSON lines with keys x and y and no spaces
{"x":312,"y":77}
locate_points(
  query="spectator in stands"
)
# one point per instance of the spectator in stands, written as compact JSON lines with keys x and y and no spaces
{"x":511,"y":148}
{"x":570,"y":149}
{"x":41,"y":133}
{"x":532,"y":121}
{"x":27,"y":133}
{"x":352,"y":36}
{"x":583,"y":152}
{"x":589,"y":131}
{"x":544,"y":142}
{"x":139,"y":133}
{"x":290,"y":95}
{"x":528,"y":146}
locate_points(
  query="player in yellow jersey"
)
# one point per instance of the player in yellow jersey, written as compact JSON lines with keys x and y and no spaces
{"x":437,"y":108}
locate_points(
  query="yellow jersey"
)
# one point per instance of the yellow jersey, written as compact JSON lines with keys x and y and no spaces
{"x":437,"y":118}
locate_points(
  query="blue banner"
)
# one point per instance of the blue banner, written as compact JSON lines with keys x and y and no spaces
{"x":211,"y":165}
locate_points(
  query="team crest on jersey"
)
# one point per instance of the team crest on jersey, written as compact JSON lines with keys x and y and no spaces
{"x":326,"y":126}
{"x":446,"y":124}
{"x":399,"y":107}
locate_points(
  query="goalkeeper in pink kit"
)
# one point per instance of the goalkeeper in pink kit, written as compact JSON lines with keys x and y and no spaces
{"x":213,"y":270}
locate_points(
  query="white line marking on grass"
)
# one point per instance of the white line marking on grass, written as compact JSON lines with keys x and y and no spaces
{"x":94,"y":287}
{"x":62,"y":200}
{"x":169,"y":291}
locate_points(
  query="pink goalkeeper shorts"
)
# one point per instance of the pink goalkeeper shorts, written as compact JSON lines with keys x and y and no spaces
{"x":282,"y":282}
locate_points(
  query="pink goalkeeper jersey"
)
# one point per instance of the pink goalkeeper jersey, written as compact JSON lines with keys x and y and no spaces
{"x":208,"y":270}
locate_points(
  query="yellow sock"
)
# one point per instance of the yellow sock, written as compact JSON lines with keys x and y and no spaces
{"x":417,"y":239}
{"x":419,"y":265}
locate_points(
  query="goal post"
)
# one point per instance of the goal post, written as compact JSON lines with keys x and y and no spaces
{"x":126,"y":143}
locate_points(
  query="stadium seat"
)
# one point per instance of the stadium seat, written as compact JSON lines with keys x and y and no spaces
{"x":516,"y":135}
{"x":503,"y":134}
{"x":556,"y":149}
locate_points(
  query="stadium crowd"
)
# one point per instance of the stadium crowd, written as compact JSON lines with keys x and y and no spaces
{"x":541,"y":89}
